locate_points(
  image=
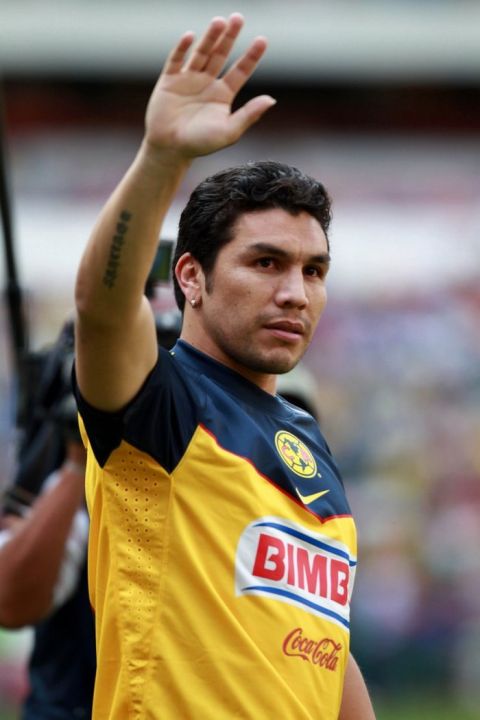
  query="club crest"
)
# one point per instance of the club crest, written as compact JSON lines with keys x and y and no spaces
{"x":295,"y":454}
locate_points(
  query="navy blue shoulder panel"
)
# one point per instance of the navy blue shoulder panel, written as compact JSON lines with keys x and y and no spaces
{"x":160,"y":420}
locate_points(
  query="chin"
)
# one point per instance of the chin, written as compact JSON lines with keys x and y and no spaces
{"x":278,"y":364}
{"x":282,"y":368}
{"x":270,"y":361}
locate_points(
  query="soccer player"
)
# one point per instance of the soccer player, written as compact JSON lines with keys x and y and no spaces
{"x":222,"y":548}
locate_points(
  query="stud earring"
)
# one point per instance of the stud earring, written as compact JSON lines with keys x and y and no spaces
{"x":193,"y":302}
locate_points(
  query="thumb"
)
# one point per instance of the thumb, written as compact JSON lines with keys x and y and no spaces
{"x":249,"y":113}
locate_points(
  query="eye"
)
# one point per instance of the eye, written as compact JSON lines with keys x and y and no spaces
{"x":265,"y":262}
{"x":316,"y":271}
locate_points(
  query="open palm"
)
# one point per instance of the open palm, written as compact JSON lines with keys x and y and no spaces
{"x":190,"y":108}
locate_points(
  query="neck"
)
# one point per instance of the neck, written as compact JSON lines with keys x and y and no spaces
{"x":265,"y":381}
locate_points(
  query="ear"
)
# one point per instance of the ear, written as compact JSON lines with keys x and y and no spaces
{"x":188,"y":273}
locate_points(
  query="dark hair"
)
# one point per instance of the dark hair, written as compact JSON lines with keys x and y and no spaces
{"x":208,"y":219}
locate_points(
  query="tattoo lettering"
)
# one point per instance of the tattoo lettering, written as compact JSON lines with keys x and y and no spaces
{"x":118,"y":241}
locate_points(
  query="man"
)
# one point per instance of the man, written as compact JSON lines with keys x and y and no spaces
{"x":222,"y":548}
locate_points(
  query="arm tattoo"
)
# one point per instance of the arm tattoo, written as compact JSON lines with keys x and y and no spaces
{"x":118,"y":241}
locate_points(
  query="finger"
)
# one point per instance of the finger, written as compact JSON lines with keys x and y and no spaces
{"x":240,"y":72}
{"x":176,"y":57}
{"x":249,"y":113}
{"x":202,"y":51}
{"x":223,"y":47}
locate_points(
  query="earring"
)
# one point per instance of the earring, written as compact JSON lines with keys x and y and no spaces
{"x":193,"y":302}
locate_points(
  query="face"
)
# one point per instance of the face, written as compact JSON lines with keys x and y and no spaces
{"x":262,"y":301}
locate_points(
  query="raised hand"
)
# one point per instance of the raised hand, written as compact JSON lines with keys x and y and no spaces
{"x":190,"y":110}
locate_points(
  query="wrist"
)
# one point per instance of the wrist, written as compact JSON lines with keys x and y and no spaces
{"x":155,"y":159}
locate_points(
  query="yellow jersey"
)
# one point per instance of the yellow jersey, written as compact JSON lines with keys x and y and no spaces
{"x":222,"y":552}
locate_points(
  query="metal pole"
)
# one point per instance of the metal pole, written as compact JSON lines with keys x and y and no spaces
{"x":13,"y":292}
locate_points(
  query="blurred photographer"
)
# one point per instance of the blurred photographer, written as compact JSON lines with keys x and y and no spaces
{"x":43,"y":542}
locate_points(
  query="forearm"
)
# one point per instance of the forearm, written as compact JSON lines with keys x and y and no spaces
{"x":356,"y":704}
{"x":115,"y":336}
{"x":119,"y":255}
{"x":31,"y":558}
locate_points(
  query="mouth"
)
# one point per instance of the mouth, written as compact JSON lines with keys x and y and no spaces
{"x":289,"y":330}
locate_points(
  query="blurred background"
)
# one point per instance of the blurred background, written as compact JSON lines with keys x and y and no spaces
{"x":380,"y":100}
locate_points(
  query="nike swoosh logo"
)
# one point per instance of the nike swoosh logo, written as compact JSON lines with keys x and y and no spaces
{"x":309,"y":499}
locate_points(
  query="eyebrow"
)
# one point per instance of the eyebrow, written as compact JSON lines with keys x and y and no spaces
{"x":267,"y":249}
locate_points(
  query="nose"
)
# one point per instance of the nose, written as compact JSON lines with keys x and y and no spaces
{"x":291,"y":290}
